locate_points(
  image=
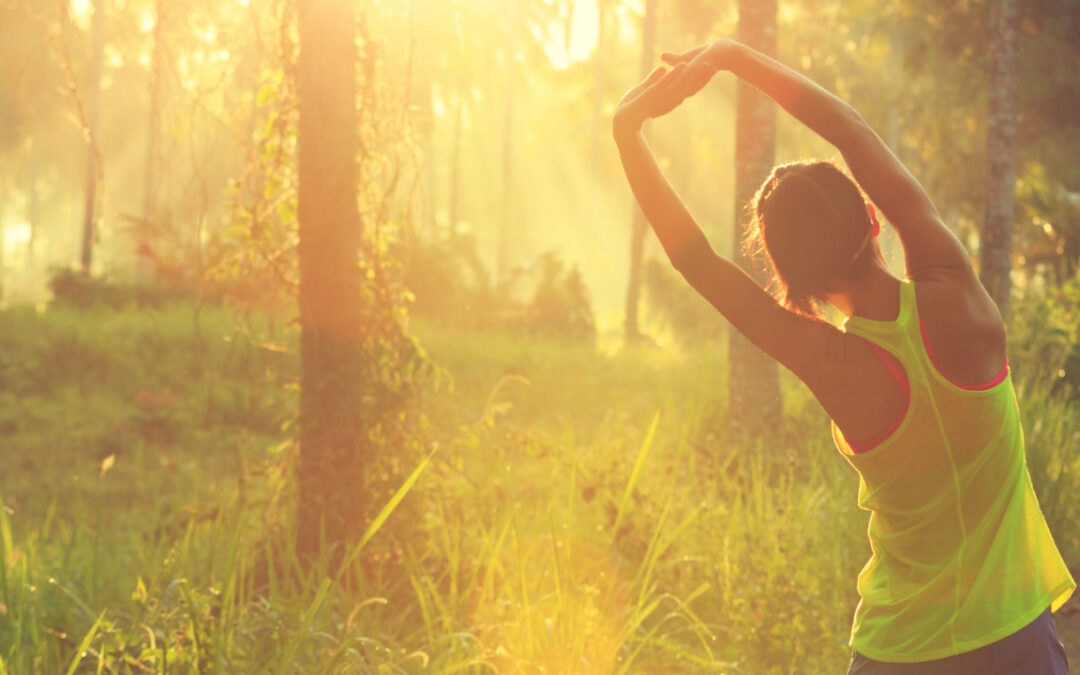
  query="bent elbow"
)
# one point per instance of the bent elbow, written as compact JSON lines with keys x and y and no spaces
{"x":692,"y":259}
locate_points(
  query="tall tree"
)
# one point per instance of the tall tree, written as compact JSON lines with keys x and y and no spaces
{"x":149,"y":214}
{"x":753,"y":388}
{"x":502,"y":252}
{"x":93,"y":111}
{"x":461,"y":82}
{"x":599,"y":126}
{"x":638,"y":225}
{"x":331,"y":457}
{"x":995,"y":250}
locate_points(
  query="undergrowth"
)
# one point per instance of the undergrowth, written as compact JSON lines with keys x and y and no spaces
{"x":574,"y":511}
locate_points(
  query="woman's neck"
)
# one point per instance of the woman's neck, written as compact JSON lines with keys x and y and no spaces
{"x":876,"y":295}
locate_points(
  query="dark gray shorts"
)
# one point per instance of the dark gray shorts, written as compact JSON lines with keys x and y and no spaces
{"x":1033,"y":650}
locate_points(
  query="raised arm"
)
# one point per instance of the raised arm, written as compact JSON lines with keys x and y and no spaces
{"x":799,"y":343}
{"x":929,"y":247}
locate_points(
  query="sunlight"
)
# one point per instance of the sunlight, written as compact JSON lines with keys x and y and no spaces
{"x":583,"y":27}
{"x":16,"y":236}
{"x":81,"y":11}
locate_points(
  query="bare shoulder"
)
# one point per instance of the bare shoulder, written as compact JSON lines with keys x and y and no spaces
{"x":956,"y":297}
{"x":962,"y":327}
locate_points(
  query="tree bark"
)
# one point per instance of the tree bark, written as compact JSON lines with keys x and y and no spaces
{"x":995,"y":250}
{"x":462,"y":83}
{"x":502,"y":252}
{"x":599,"y":84}
{"x":93,"y":106}
{"x":638,"y":224}
{"x":143,"y":268}
{"x":330,"y":471}
{"x":753,"y":388}
{"x":32,"y":204}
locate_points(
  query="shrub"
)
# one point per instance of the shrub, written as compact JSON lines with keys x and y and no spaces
{"x":79,"y":289}
{"x":451,"y":286}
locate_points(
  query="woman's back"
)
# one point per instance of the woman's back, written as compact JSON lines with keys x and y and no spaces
{"x":962,"y":331}
{"x":961,"y":555}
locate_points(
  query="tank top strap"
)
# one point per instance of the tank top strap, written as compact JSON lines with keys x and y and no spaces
{"x":899,"y":336}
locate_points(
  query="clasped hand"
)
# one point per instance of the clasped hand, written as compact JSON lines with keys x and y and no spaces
{"x":665,"y":89}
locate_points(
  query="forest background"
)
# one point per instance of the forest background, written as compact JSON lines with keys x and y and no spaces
{"x":498,"y":435}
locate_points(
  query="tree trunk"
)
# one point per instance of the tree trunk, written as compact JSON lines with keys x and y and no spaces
{"x":3,"y":247}
{"x":331,"y":507}
{"x":638,"y":224}
{"x":599,"y":85}
{"x":143,"y":268}
{"x":32,"y":205}
{"x":754,"y":388}
{"x":502,"y":253}
{"x":93,"y":106}
{"x":459,"y":130}
{"x":995,"y":250}
{"x":455,"y":166}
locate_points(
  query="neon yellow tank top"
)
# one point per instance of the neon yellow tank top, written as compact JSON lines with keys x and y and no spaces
{"x":960,"y":552}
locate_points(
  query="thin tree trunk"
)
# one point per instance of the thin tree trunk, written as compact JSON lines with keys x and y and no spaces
{"x":331,"y":505}
{"x":638,"y":224}
{"x":32,"y":204}
{"x":93,"y":106}
{"x":754,"y":389}
{"x":143,"y":268}
{"x":3,"y":251}
{"x":459,"y":127}
{"x":995,"y":249}
{"x":502,"y":253}
{"x":455,"y":167}
{"x":599,"y":84}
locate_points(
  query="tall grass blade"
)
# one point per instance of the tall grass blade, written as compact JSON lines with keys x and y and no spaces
{"x":85,"y":644}
{"x":385,"y":512}
{"x":636,"y":473}
{"x":304,"y":629}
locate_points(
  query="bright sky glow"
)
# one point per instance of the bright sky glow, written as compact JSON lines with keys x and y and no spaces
{"x":585,"y":23}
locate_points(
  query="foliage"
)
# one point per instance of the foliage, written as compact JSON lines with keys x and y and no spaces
{"x":1045,"y":335}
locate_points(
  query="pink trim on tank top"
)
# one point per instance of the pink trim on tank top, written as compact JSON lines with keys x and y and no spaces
{"x":858,"y":447}
{"x":997,"y":379}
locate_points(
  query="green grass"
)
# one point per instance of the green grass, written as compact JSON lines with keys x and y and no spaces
{"x":585,"y":511}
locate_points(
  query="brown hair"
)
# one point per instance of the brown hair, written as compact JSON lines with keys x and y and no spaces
{"x":810,"y":224}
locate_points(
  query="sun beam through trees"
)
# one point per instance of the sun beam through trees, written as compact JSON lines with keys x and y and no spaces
{"x":342,"y":336}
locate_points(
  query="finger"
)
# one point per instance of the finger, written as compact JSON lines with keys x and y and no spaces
{"x":665,"y":95}
{"x":697,"y":80}
{"x":655,"y":75}
{"x":674,"y":74}
{"x":681,"y":57}
{"x":666,"y":83}
{"x":679,"y":76}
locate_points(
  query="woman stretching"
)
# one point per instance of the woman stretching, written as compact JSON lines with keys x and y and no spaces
{"x":964,"y":573}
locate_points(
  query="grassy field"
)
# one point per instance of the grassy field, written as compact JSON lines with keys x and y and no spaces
{"x":585,"y":510}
